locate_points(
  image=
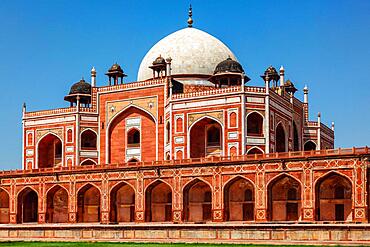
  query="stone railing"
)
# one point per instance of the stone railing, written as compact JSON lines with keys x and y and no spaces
{"x":140,"y":84}
{"x":193,"y":161}
{"x":214,"y":91}
{"x":50,"y":112}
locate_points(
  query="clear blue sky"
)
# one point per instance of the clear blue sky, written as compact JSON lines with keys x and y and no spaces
{"x":45,"y":46}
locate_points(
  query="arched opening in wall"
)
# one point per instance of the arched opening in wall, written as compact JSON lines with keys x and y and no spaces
{"x":4,"y":207}
{"x":333,"y":198}
{"x":254,"y":124}
{"x":88,"y":162}
{"x":233,"y":151}
{"x":158,"y":202}
{"x":27,"y":208}
{"x":284,"y":195}
{"x":120,"y":149}
{"x":239,"y":200}
{"x":254,"y":151}
{"x":69,"y":135}
{"x":205,"y":138}
{"x":295,"y":138}
{"x":168,"y":132}
{"x":88,"y":204}
{"x":179,"y":155}
{"x":280,"y":141}
{"x":197,"y":202}
{"x":88,"y":140}
{"x":122,"y":203}
{"x":233,"y":120}
{"x":133,"y":160}
{"x":49,"y":151}
{"x":57,"y":205}
{"x":310,"y":145}
{"x":133,"y":138}
{"x":179,"y":125}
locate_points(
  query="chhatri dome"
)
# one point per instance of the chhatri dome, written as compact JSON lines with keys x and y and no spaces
{"x":195,"y":54}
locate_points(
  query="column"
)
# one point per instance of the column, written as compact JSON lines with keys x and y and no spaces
{"x":217,"y":202}
{"x":308,"y":203}
{"x":260,"y":194}
{"x":177,"y":205}
{"x":139,"y":201}
{"x":359,"y":191}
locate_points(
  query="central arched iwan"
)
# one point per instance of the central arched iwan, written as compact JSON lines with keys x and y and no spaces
{"x":119,"y":133}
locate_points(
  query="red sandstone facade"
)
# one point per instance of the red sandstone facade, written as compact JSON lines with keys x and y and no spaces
{"x":166,"y":150}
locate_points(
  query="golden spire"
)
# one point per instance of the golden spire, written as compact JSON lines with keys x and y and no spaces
{"x":190,"y":20}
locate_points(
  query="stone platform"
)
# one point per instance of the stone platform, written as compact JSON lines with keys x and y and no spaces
{"x":211,"y":233}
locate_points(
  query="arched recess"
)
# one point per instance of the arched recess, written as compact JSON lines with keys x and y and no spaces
{"x":255,"y":150}
{"x":206,"y":138}
{"x":4,"y":207}
{"x":57,"y":205}
{"x":88,"y":204}
{"x":49,"y":151}
{"x":89,"y":140}
{"x":309,"y":145}
{"x":280,"y":139}
{"x":254,"y":124}
{"x":239,"y":200}
{"x":122,"y":203}
{"x":116,"y":141}
{"x":284,"y":199}
{"x":333,"y":198}
{"x":88,"y":162}
{"x":197,"y":201}
{"x":133,"y":138}
{"x":27,"y":208}
{"x":296,"y":146}
{"x":158,"y":202}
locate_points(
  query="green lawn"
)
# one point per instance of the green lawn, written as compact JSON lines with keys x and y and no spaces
{"x":97,"y":244}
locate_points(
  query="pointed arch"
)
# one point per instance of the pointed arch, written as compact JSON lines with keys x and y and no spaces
{"x":158,"y":201}
{"x":255,"y":150}
{"x":88,"y":203}
{"x":89,"y":139}
{"x":296,"y":139}
{"x":197,"y":201}
{"x":57,"y":205}
{"x":239,"y":199}
{"x":4,"y":206}
{"x":255,"y":121}
{"x":122,"y":203}
{"x":203,"y":141}
{"x":309,"y":145}
{"x":333,"y":197}
{"x":284,"y":198}
{"x":88,"y":162}
{"x":280,"y":138}
{"x":115,"y":143}
{"x":49,"y":151}
{"x":27,"y":205}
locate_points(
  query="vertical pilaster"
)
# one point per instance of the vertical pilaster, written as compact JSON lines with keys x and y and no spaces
{"x":41,"y":202}
{"x":139,"y":202}
{"x":267,"y":115}
{"x":13,"y":202}
{"x":359,"y":191}
{"x":105,"y":200}
{"x":217,"y":202}
{"x":261,"y":206}
{"x":177,"y":206}
{"x":72,"y":200}
{"x":308,"y":209}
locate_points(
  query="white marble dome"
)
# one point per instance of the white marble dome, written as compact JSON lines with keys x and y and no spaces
{"x":193,"y":52}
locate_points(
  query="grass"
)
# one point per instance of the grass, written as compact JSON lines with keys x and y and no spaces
{"x":103,"y":244}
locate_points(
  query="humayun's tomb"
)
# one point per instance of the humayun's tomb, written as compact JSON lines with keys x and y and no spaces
{"x":191,"y":151}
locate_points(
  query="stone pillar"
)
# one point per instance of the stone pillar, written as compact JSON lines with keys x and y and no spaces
{"x":359,"y":204}
{"x":260,"y":194}
{"x":267,"y":115}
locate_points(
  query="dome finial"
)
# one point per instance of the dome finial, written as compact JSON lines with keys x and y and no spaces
{"x":190,"y":20}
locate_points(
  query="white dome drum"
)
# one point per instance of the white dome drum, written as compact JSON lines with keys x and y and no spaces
{"x":195,"y":55}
